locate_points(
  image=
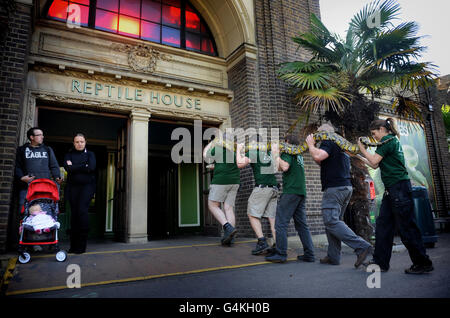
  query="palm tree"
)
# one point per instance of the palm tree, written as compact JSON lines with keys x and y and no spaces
{"x":344,"y":76}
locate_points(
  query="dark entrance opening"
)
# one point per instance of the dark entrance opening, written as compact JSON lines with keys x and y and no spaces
{"x":101,"y":131}
{"x":175,"y":190}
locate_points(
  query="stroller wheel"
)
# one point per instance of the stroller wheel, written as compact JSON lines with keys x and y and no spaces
{"x":24,"y":258}
{"x":61,"y":256}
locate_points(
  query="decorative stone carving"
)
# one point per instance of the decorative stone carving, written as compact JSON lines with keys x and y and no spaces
{"x":141,"y":58}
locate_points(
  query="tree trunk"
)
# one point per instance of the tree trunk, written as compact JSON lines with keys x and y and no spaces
{"x":357,"y":215}
{"x":352,"y":123}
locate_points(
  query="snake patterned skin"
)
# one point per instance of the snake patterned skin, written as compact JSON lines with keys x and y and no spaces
{"x":344,"y":144}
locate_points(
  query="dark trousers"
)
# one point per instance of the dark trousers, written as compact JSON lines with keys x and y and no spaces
{"x":292,"y":206}
{"x":79,"y":198}
{"x":397,"y":212}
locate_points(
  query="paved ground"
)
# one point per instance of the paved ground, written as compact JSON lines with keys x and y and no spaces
{"x":198,"y":267}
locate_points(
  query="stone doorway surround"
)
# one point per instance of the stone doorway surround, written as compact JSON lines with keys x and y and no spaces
{"x":98,"y":61}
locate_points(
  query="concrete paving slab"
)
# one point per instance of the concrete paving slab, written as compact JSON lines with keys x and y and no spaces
{"x":133,"y":263}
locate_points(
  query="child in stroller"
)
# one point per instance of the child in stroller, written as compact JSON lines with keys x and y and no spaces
{"x":39,"y":225}
{"x":39,"y":221}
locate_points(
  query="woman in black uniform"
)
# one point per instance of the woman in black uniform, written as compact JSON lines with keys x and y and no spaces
{"x":80,"y":165}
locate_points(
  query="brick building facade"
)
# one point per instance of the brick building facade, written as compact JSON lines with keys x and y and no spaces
{"x":15,"y":33}
{"x":271,"y":106}
{"x":45,"y":64}
{"x":437,"y":143}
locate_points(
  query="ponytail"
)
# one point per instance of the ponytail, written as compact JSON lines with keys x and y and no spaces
{"x":389,"y":124}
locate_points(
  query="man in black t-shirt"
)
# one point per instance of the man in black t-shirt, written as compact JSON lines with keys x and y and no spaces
{"x":337,"y":187}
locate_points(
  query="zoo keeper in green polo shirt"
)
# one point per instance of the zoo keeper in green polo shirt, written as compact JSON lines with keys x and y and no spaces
{"x":263,"y":199}
{"x":397,"y":206}
{"x":225,"y":182}
{"x":291,"y":204}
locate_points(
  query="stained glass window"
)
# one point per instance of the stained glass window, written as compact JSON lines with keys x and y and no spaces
{"x":73,"y":11}
{"x":170,"y":22}
{"x":106,"y":21}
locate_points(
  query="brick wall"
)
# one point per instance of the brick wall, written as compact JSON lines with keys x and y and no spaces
{"x":438,"y":148}
{"x":15,"y":35}
{"x":262,"y":100}
{"x":244,"y":111}
{"x":277,"y":21}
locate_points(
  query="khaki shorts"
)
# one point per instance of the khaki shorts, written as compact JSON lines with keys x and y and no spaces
{"x":263,"y":202}
{"x":224,"y":193}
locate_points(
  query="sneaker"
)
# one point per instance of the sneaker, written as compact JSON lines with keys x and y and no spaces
{"x":327,"y":260}
{"x":261,"y":247}
{"x":362,"y":257}
{"x":229,"y":233}
{"x":308,"y":259}
{"x":419,"y":269}
{"x":276,"y":258}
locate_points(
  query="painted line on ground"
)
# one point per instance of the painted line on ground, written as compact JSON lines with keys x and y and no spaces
{"x":140,"y":278}
{"x":143,"y":249}
{"x":9,"y":273}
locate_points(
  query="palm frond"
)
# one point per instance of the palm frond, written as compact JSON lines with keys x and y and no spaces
{"x":302,"y":66}
{"x":413,"y":75}
{"x":322,"y":99}
{"x":393,"y":47}
{"x":386,"y":11}
{"x":306,"y":81}
{"x":377,"y":79}
{"x":306,"y":75}
{"x":319,"y":41}
{"x":407,"y":107}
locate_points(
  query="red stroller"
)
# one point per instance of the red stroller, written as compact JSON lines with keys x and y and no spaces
{"x":45,"y":193}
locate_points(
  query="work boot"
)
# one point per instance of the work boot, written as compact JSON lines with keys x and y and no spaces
{"x":362,"y":257}
{"x":261,"y":247}
{"x":327,"y":260}
{"x":272,"y":250}
{"x":228,"y":234}
{"x":276,"y":258}
{"x":372,"y":262}
{"x":308,"y":259}
{"x":419,"y":269}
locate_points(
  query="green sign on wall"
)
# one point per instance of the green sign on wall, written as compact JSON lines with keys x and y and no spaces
{"x":412,"y":139}
{"x":188,"y":195}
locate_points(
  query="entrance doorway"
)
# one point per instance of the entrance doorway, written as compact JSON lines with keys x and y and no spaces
{"x":175,"y":191}
{"x":102,"y":132}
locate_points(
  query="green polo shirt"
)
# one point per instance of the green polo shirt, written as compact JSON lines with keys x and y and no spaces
{"x":392,"y":166}
{"x":262,"y":163}
{"x":225,"y":172}
{"x":294,"y":181}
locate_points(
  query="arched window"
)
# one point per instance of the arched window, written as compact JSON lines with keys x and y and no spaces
{"x":170,"y":22}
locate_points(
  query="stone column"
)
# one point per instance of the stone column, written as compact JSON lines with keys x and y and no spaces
{"x":137,"y":177}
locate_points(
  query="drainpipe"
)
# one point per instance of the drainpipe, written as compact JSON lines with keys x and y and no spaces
{"x":435,"y":144}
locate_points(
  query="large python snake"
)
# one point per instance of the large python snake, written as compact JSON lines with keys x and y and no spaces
{"x":285,"y":147}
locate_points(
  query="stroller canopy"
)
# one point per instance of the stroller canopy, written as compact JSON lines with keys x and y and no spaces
{"x":42,"y":188}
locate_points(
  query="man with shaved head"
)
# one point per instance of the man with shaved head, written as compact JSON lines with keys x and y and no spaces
{"x":337,"y":191}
